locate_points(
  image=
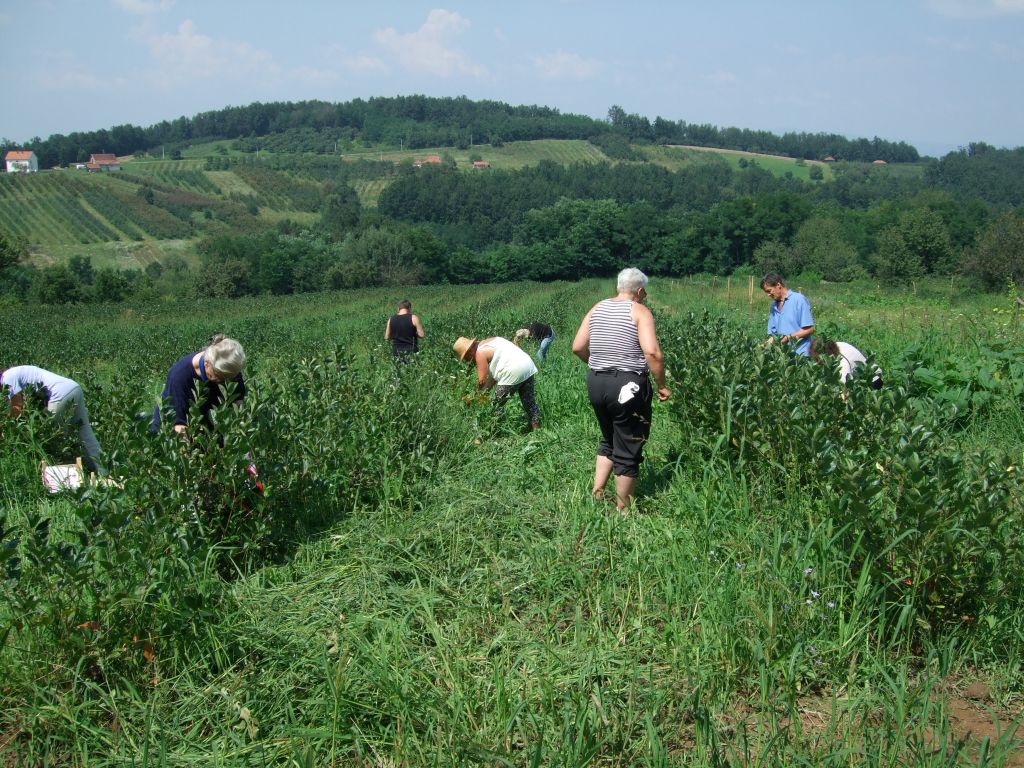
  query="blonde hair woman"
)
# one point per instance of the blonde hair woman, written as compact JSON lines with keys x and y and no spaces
{"x":222,"y":361}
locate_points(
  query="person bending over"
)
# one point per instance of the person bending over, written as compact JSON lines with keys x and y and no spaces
{"x":503,"y":366}
{"x":537,"y":332}
{"x":202,"y":373}
{"x":64,"y":399}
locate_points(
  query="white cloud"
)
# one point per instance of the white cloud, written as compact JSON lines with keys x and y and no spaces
{"x":337,"y":70}
{"x":429,"y":49}
{"x":561,"y":65}
{"x":187,"y":54}
{"x":143,"y":7}
{"x":722,"y":76}
{"x":64,"y":71}
{"x":974,"y":9}
{"x":1006,"y":52}
{"x":69,"y":79}
{"x":338,"y":57}
{"x":361,"y":63}
{"x":955,"y":46}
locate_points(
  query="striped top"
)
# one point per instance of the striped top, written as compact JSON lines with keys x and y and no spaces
{"x":614,"y":342}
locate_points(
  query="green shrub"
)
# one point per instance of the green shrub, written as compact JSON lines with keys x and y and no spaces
{"x":934,"y":524}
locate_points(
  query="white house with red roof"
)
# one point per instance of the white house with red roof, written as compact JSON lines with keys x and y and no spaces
{"x":22,"y":161}
{"x":103,"y":162}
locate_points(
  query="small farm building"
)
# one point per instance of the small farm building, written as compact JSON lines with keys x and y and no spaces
{"x":103,"y":162}
{"x":428,"y":160}
{"x":22,"y":161}
{"x":481,"y":164}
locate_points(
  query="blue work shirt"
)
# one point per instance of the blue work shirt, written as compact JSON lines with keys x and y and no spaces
{"x":794,"y":315}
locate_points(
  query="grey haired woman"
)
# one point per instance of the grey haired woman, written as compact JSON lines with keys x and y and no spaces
{"x":617,"y":342}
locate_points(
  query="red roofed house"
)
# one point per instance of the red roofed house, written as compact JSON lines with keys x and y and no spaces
{"x":19,"y":161}
{"x":879,"y":162}
{"x":103,"y":163}
{"x":429,"y":160}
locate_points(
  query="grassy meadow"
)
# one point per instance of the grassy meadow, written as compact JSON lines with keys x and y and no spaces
{"x":806,"y":579}
{"x":673,"y":157}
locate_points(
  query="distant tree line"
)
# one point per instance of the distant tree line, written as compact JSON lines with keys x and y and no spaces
{"x":553,"y":222}
{"x":980,"y":171}
{"x":809,"y":146}
{"x":420,"y":121}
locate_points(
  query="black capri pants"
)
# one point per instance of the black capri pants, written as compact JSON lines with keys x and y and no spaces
{"x":625,"y":426}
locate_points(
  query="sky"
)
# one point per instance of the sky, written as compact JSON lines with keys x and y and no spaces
{"x":937,"y":74}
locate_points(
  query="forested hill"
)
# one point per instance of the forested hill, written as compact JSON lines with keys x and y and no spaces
{"x":420,"y":121}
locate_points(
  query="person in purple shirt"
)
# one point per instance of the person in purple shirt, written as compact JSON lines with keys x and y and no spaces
{"x":64,"y":399}
{"x":789,"y":319}
{"x":201,"y":372}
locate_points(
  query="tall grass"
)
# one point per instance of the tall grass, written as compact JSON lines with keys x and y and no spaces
{"x":440,"y":589}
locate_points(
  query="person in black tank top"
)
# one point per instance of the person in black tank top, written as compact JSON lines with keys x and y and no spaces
{"x":404,"y":330}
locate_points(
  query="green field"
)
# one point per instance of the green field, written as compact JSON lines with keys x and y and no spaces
{"x":66,"y":213}
{"x":675,"y":158}
{"x":153,"y":167}
{"x":807,"y":579}
{"x":513,"y":155}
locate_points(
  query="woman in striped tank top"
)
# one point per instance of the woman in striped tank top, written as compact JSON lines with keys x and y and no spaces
{"x":617,"y":342}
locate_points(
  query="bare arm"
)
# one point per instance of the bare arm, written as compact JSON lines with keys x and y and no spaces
{"x":419,"y":326}
{"x":803,"y":333}
{"x":387,"y":331}
{"x":17,"y":404}
{"x":651,"y":349}
{"x":483,"y":376}
{"x":581,"y":344}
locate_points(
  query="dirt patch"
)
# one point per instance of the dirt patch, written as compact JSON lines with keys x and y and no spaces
{"x":973,"y":722}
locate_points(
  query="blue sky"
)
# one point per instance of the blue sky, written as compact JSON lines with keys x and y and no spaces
{"x":935,"y":73}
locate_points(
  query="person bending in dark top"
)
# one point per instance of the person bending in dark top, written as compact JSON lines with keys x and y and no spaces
{"x":404,"y":330}
{"x":202,"y":372}
{"x":538,"y":332}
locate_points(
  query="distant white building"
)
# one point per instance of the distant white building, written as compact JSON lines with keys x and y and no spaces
{"x":103,"y":163}
{"x":19,"y":161}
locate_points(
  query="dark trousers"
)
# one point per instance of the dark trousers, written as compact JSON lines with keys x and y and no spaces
{"x":525,"y":389}
{"x":625,"y":426}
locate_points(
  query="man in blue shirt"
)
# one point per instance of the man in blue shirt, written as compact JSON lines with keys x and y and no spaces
{"x":790,"y":318}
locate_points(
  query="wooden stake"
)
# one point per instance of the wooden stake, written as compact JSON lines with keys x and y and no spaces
{"x":728,"y":289}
